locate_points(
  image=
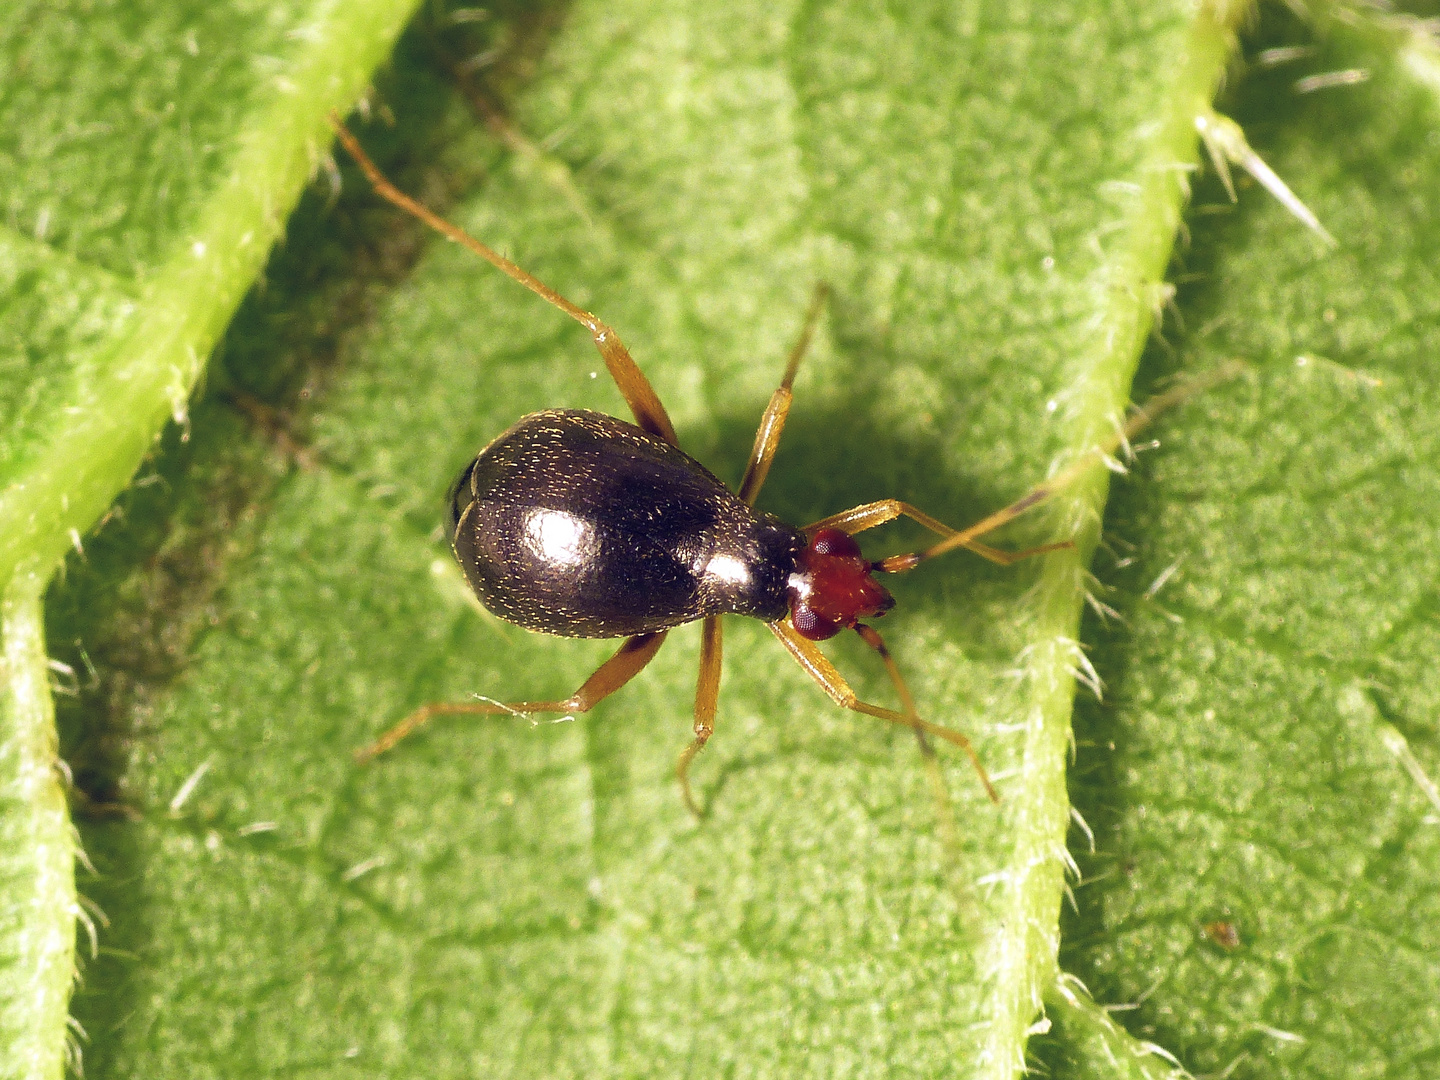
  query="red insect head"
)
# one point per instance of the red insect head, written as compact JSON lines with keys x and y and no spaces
{"x":834,"y":588}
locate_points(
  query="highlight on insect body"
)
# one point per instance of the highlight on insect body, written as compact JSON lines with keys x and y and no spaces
{"x":579,"y":524}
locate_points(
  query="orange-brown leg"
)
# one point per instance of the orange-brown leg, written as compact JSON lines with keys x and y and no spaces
{"x":868,"y":515}
{"x":949,"y":833}
{"x":767,"y":436}
{"x":610,"y":676}
{"x":707,"y":692}
{"x":808,"y":655}
{"x":634,"y":387}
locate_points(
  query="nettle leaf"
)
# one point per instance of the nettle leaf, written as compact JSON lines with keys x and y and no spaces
{"x":995,"y":197}
{"x":148,"y":160}
{"x":1264,"y":881}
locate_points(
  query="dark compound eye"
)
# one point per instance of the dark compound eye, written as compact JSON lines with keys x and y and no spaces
{"x":809,"y":624}
{"x":835,"y":542}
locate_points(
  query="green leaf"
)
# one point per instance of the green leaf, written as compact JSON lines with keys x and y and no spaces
{"x":149,"y":160}
{"x":994,"y":196}
{"x":1250,"y":766}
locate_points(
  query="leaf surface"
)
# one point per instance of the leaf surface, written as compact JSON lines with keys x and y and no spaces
{"x":149,"y":159}
{"x":994,"y":197}
{"x":1252,"y":768}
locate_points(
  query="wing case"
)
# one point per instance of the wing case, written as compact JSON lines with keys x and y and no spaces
{"x":579,"y":524}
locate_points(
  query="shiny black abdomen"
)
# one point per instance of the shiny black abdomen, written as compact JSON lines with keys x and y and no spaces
{"x":579,"y":524}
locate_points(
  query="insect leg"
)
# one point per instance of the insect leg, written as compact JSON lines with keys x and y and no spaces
{"x":946,"y":811}
{"x":868,"y":515}
{"x":808,"y":655}
{"x":610,"y":676}
{"x":767,"y":436}
{"x":707,"y":690}
{"x":650,"y":415}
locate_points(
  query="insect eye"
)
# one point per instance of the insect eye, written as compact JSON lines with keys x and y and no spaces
{"x":810,"y":624}
{"x":834,"y":542}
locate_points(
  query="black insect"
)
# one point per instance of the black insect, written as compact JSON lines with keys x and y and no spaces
{"x":579,"y":524}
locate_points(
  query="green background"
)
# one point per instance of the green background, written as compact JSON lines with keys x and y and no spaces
{"x":993,"y":192}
